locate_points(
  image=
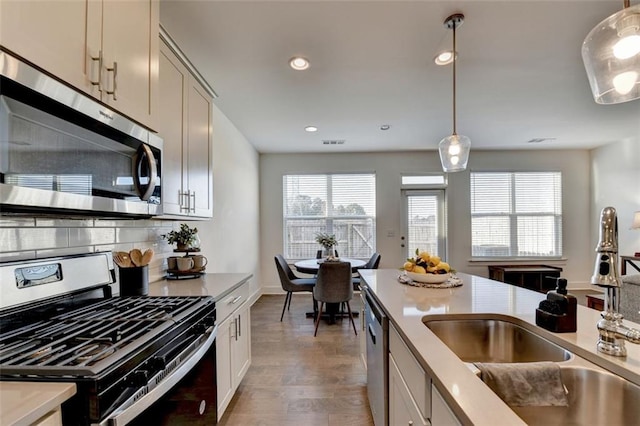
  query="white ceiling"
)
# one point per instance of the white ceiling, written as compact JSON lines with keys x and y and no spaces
{"x":520,"y":72}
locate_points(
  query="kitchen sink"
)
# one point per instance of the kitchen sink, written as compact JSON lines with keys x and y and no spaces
{"x":595,"y":398}
{"x":476,"y":338}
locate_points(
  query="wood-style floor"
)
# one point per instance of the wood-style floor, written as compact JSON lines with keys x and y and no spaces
{"x":296,"y":379}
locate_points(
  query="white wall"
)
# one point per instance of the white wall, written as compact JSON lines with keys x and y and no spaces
{"x":230,"y":239}
{"x":615,"y":179}
{"x":389,"y":167}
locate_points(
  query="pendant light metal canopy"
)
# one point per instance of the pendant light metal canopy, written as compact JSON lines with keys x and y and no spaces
{"x":611,"y":55}
{"x":454,"y":149}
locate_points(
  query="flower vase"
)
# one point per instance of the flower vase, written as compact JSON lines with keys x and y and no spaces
{"x":330,"y":253}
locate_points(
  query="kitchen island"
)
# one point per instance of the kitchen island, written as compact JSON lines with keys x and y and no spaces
{"x":470,"y":400}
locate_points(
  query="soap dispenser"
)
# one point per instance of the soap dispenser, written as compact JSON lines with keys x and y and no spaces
{"x":558,"y":312}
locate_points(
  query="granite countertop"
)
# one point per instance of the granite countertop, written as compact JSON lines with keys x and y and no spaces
{"x":216,"y":285}
{"x":23,"y":403}
{"x":469,"y":397}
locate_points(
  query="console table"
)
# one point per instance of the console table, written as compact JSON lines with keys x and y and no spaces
{"x":540,"y":278}
{"x":631,"y":261}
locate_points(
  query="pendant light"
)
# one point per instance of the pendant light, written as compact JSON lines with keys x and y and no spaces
{"x":611,"y":55}
{"x":454,"y":149}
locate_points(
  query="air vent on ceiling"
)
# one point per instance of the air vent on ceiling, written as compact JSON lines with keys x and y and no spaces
{"x":333,"y":142}
{"x":539,"y":140}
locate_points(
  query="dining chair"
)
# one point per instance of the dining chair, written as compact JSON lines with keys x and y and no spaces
{"x":319,"y":254}
{"x":291,"y":283}
{"x":333,"y":285}
{"x":372,"y":263}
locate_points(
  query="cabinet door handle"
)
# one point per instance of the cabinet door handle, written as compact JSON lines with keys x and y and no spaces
{"x":235,"y":324}
{"x":184,"y":201}
{"x":239,"y":325}
{"x":113,"y":92}
{"x":99,"y":82}
{"x":193,"y":209}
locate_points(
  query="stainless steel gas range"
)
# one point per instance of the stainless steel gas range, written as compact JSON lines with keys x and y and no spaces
{"x":135,"y":360}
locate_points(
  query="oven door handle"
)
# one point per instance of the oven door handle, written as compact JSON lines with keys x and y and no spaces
{"x":127,"y":413}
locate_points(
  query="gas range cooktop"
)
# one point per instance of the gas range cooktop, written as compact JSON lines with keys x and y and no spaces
{"x":86,"y":341}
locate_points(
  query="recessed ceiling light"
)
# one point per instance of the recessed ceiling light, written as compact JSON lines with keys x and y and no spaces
{"x":444,"y":58}
{"x":299,"y":63}
{"x":385,"y":127}
{"x":311,"y":129}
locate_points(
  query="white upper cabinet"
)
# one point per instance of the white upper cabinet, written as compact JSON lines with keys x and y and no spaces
{"x":185,"y":125}
{"x":106,"y":48}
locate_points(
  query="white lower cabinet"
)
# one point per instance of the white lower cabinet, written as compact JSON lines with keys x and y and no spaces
{"x":409,"y":385}
{"x":441,"y":414}
{"x":402,"y":407}
{"x":233,"y":344}
{"x":413,"y":399}
{"x":52,"y":418}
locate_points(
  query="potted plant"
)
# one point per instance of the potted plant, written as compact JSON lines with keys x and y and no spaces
{"x":184,"y":238}
{"x":328,"y":242}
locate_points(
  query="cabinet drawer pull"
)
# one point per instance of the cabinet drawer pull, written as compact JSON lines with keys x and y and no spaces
{"x":234,"y":300}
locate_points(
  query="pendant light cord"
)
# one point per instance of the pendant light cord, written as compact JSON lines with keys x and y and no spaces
{"x":455,"y":59}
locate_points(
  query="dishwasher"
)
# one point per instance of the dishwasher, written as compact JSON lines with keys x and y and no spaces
{"x":377,"y":325}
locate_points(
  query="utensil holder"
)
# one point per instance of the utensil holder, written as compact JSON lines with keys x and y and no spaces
{"x":134,"y":281}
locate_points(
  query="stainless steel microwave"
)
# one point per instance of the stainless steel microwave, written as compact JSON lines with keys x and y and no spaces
{"x":64,"y":152}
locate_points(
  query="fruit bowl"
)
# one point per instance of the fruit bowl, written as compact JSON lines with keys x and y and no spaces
{"x":428,"y":278}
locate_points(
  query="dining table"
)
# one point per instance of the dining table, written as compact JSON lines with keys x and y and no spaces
{"x":311,"y":266}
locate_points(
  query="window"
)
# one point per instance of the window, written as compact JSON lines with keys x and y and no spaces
{"x":340,"y":204}
{"x":516,"y":214}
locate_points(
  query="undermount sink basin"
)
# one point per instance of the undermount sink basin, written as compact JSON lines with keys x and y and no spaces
{"x":595,"y":398}
{"x":481,"y":339}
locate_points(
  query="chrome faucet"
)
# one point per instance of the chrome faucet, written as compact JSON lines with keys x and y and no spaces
{"x":612,"y":333}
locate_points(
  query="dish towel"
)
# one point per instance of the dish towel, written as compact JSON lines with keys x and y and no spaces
{"x":525,"y":384}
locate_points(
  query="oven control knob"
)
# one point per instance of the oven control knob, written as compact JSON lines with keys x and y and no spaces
{"x":199,"y":329}
{"x":139,"y":378}
{"x":209,"y":321}
{"x":159,"y":363}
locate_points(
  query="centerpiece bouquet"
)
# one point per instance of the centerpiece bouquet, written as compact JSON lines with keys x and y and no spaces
{"x":328,"y":242}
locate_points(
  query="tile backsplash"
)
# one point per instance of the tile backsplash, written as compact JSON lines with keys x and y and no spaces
{"x":23,"y":238}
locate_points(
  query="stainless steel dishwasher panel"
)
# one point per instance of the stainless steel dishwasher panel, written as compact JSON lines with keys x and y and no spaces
{"x":377,"y":329}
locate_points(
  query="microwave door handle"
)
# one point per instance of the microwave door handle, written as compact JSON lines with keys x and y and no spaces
{"x":145,"y":154}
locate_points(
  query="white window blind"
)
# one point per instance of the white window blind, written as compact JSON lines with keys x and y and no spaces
{"x":339,"y":204}
{"x":516,"y":214}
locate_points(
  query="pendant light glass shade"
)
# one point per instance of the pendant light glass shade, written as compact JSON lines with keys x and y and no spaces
{"x":454,"y":153}
{"x":454,"y":149}
{"x":611,"y":55}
